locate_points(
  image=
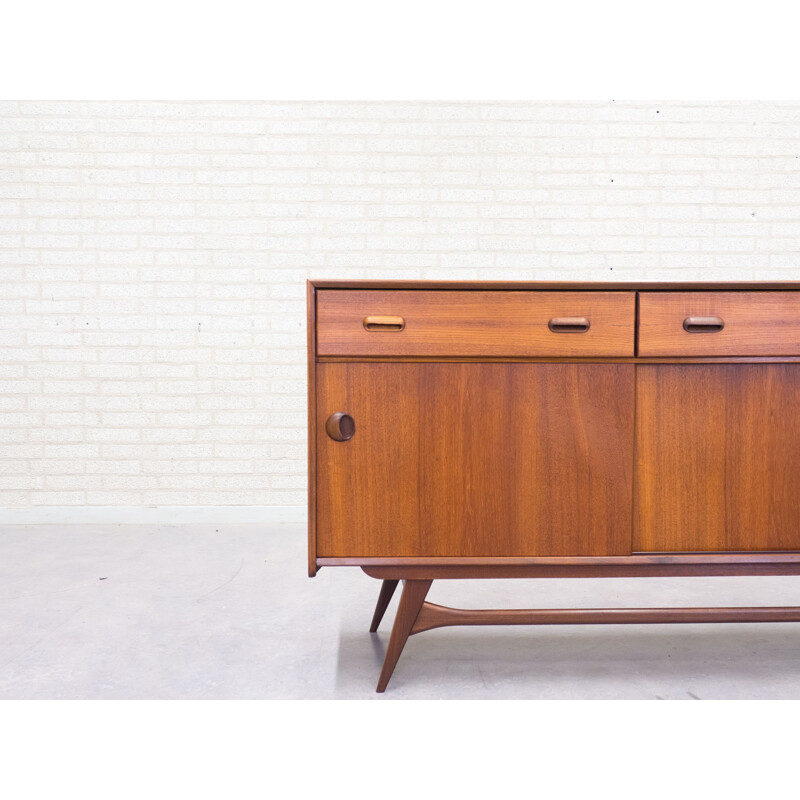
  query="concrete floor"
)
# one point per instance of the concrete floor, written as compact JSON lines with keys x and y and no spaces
{"x":218,"y":611}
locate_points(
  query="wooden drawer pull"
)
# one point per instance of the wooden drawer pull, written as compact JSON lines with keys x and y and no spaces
{"x":703,"y":324}
{"x":384,"y":323}
{"x":340,"y":426}
{"x":568,"y":324}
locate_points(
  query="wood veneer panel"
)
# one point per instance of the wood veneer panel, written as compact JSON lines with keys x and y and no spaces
{"x":565,"y":286}
{"x":432,"y":616}
{"x":717,"y":458}
{"x":368,"y":486}
{"x":311,"y":343}
{"x":755,"y":323}
{"x":474,"y":323}
{"x":627,"y":568}
{"x":476,"y":460}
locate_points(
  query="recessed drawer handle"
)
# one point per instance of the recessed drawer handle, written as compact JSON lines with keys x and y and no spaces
{"x":340,"y":426}
{"x":384,"y":323}
{"x":568,"y":324}
{"x":703,"y":324}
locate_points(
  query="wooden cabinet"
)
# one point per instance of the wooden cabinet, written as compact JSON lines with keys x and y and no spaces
{"x":527,"y":430}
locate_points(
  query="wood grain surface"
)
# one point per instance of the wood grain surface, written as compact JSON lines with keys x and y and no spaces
{"x":563,"y":286}
{"x":311,"y":343}
{"x":624,"y":567}
{"x":384,"y":598}
{"x":717,"y":458}
{"x":411,"y":600}
{"x":432,"y":616}
{"x":755,"y":323}
{"x":441,"y":323}
{"x":475,"y":460}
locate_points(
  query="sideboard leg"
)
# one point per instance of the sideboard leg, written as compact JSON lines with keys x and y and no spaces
{"x":387,"y":590}
{"x":411,"y":601}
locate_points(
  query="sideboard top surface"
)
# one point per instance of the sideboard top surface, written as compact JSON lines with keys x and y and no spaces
{"x":567,"y":286}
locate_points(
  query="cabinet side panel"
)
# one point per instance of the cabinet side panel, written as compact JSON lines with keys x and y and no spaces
{"x":718,"y":458}
{"x":311,"y":335}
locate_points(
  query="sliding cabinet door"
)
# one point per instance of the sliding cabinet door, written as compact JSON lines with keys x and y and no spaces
{"x":475,"y":459}
{"x":717,"y":457}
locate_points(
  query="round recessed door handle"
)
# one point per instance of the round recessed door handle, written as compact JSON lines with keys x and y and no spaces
{"x":340,"y":426}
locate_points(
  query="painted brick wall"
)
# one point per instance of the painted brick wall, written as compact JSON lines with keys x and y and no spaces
{"x":153,"y":257}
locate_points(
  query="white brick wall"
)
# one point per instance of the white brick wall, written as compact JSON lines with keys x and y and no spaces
{"x":153,"y":257}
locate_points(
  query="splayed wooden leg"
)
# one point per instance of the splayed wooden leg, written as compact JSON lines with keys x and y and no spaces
{"x":387,"y":590}
{"x":411,"y":601}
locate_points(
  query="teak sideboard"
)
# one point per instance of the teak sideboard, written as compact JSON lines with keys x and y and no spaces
{"x":489,"y":430}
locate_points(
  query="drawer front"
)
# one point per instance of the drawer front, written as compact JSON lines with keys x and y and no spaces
{"x":474,"y":323}
{"x":719,"y":324}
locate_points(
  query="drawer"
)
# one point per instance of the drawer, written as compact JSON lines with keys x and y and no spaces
{"x":719,"y":323}
{"x":474,"y":323}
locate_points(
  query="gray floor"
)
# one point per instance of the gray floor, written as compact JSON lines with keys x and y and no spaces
{"x":216,"y":611}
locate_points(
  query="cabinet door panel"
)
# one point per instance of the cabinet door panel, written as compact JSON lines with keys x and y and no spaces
{"x":476,"y":460}
{"x":718,"y":457}
{"x":368,"y":486}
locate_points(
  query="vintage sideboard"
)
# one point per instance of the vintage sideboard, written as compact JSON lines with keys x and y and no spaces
{"x":487,"y":430}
